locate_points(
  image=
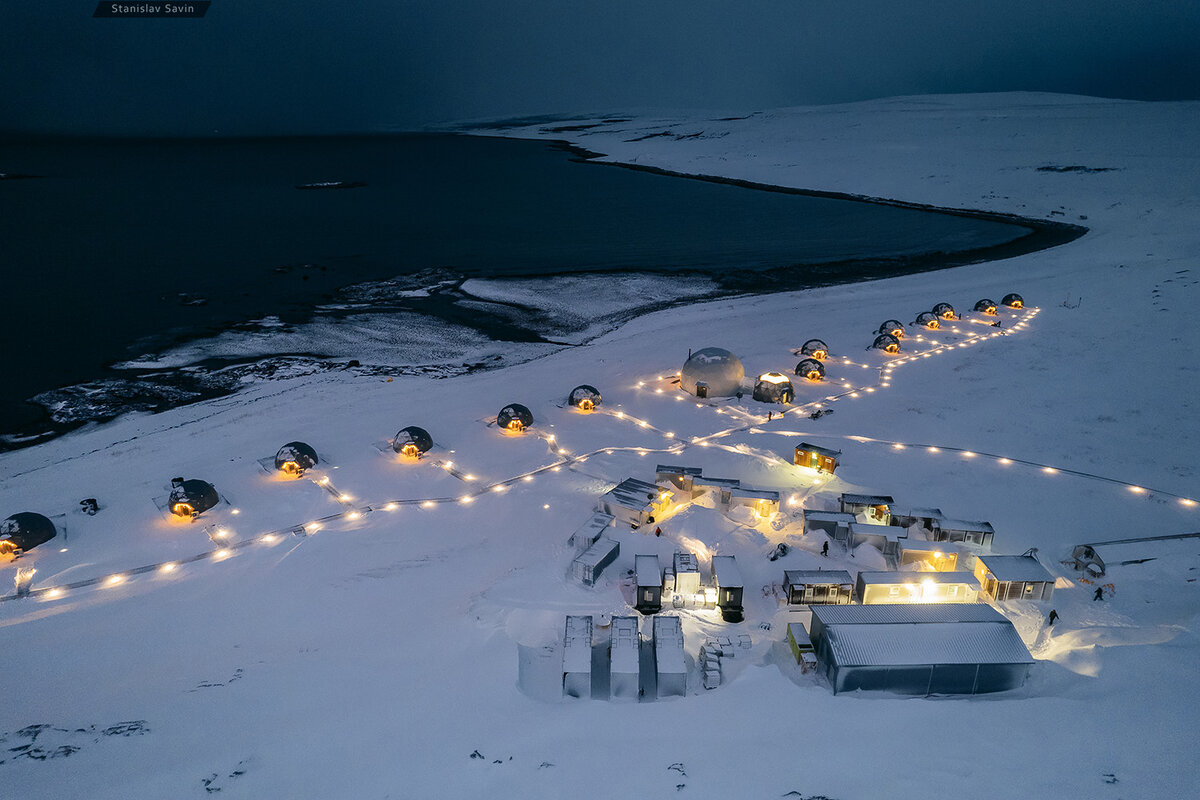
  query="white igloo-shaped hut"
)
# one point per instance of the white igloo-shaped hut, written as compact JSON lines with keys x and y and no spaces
{"x":712,"y":372}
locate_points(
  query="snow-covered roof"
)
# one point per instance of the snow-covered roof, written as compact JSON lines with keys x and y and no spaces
{"x":964,"y":525}
{"x":917,"y":511}
{"x":816,"y":448}
{"x":625,"y":645}
{"x":722,"y":483}
{"x":1016,"y":568}
{"x":591,"y":530}
{"x":887,"y":531}
{"x":668,"y":644}
{"x":632,"y":493}
{"x":726,"y":572}
{"x":866,"y":499}
{"x":910,"y":644}
{"x":817,"y":515}
{"x":671,"y":469}
{"x":685,"y":562}
{"x":649,"y":573}
{"x":597,"y":552}
{"x":918,"y":613}
{"x":577,"y":644}
{"x":755,"y":494}
{"x":889,"y":578}
{"x":799,"y":634}
{"x":813,"y":577}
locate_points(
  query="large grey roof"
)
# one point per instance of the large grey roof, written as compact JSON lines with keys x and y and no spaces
{"x":817,"y":576}
{"x":910,"y":644}
{"x":914,"y":613}
{"x":964,"y":525}
{"x":1016,"y":568}
{"x":633,"y":493}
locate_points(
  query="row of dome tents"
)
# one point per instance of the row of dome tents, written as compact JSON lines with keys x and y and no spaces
{"x":890,"y":333}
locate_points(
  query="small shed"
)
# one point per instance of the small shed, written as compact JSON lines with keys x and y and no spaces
{"x":295,"y":457}
{"x":687,"y":573}
{"x":927,"y":319}
{"x":892,"y":327}
{"x":822,"y":459}
{"x":919,"y":650}
{"x":815,"y":348}
{"x":986,"y":306}
{"x":586,"y":534}
{"x":818,"y":587}
{"x":945,"y":311}
{"x":588,"y":566}
{"x":728,"y":580}
{"x":412,"y":441}
{"x":712,"y":372}
{"x":191,"y":498}
{"x":916,"y":587}
{"x":722,"y":488}
{"x":810,"y":369}
{"x":625,"y":659}
{"x":649,"y":577}
{"x":584,"y":397}
{"x":921,"y":516}
{"x":670,"y":664}
{"x":636,"y":503}
{"x":679,"y":477}
{"x":577,"y":657}
{"x":763,"y":502}
{"x":798,"y":641}
{"x":514,"y":417}
{"x":884,"y":538}
{"x":1014,"y":578}
{"x":874,"y":507}
{"x":963,"y":530}
{"x":834,"y":524}
{"x":774,"y":387}
{"x":928,"y":555}
{"x":887,"y":343}
{"x":1013,"y":300}
{"x":24,"y":531}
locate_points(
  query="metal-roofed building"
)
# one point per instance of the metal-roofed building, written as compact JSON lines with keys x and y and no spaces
{"x":577,"y":657}
{"x":1014,"y":578}
{"x":935,"y":556}
{"x":834,"y":524}
{"x":917,"y":587}
{"x":588,"y":566}
{"x":729,"y":583}
{"x":625,"y":659}
{"x":875,"y":507}
{"x":677,"y":476}
{"x":586,"y":534}
{"x":817,"y":586}
{"x":924,"y":516}
{"x":763,"y":502}
{"x":669,"y":661}
{"x":649,"y":584}
{"x":884,"y":538}
{"x":963,"y":530}
{"x":636,"y":503}
{"x":919,"y":650}
{"x":687,"y":573}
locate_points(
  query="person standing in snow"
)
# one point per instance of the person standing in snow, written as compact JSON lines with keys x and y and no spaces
{"x":825,"y":548}
{"x":658,"y":531}
{"x":1099,"y":595}
{"x":1053,"y":616}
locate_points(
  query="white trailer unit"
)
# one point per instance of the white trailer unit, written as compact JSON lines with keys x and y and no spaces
{"x":577,"y":657}
{"x":669,"y":661}
{"x":625,"y":659}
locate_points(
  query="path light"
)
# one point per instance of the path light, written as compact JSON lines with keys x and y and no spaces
{"x":113,"y":580}
{"x":1049,"y":470}
{"x":1005,"y":461}
{"x":168,"y":567}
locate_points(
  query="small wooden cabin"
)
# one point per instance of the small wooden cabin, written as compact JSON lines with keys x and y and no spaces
{"x":822,"y":459}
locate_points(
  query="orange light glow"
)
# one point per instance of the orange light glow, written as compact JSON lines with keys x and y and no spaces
{"x":182,"y":510}
{"x":410,"y":450}
{"x":586,"y":404}
{"x":290,"y":467}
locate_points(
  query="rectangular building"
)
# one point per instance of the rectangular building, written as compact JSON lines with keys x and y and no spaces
{"x":687,"y":573}
{"x":934,"y":556}
{"x":875,"y":508}
{"x":577,"y":657}
{"x":963,"y":530}
{"x":834,"y":524}
{"x":625,"y":659}
{"x":919,"y":650}
{"x":822,"y":459}
{"x":670,"y":665}
{"x":815,"y":586}
{"x":728,"y":580}
{"x":586,"y":534}
{"x":649,"y":577}
{"x":677,"y":476}
{"x":917,"y":587}
{"x":1014,"y":578}
{"x":884,"y":538}
{"x":591,"y":563}
{"x":922,"y":516}
{"x":636,"y":503}
{"x":764,"y":502}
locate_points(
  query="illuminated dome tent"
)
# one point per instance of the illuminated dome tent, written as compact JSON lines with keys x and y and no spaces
{"x":412,"y":441}
{"x":986,"y":306}
{"x":295,"y":457}
{"x":928,"y":319}
{"x":815,"y":348}
{"x":192,"y":497}
{"x":1013,"y":300}
{"x":24,"y":531}
{"x":945,"y":311}
{"x":712,"y":372}
{"x":584,"y":397}
{"x":893,"y":327}
{"x":887,"y":343}
{"x":514,"y":417}
{"x":774,"y":387}
{"x":811,"y":369}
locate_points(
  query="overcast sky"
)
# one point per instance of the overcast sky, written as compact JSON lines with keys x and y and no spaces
{"x":253,"y":67}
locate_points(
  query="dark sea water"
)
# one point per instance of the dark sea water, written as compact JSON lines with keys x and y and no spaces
{"x":123,"y":247}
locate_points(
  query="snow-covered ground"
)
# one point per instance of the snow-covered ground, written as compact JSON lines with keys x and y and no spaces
{"x":376,"y":656}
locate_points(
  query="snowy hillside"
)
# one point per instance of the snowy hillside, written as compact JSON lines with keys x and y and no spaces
{"x":375,"y":652}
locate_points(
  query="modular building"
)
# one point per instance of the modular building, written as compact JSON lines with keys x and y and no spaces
{"x":922,"y":516}
{"x":919,"y":650}
{"x":625,"y":659}
{"x":822,"y":459}
{"x":816,"y":586}
{"x":589,"y":532}
{"x":875,"y":508}
{"x":1014,"y":578}
{"x":687,"y":573}
{"x":649,"y":584}
{"x":636,"y":503}
{"x":933,"y":556}
{"x":677,"y":476}
{"x":728,"y":580}
{"x":669,"y":662}
{"x":588,"y":566}
{"x":963,"y":530}
{"x":834,"y":524}
{"x":916,"y":587}
{"x":577,"y":657}
{"x":884,"y":538}
{"x":763,"y":502}
{"x":799,"y":642}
